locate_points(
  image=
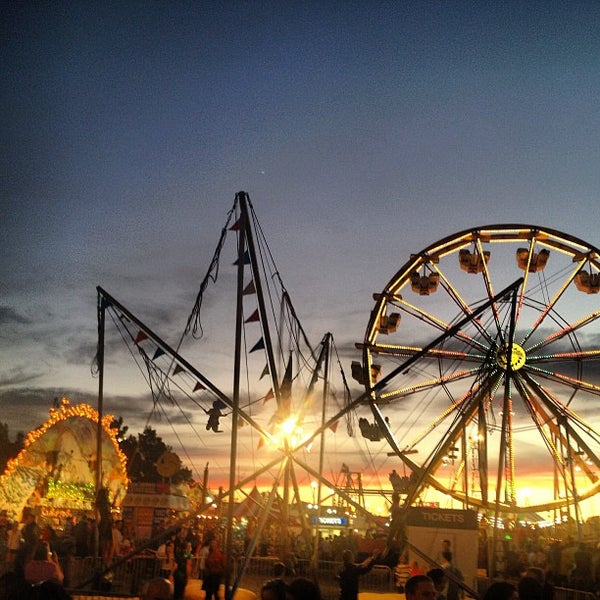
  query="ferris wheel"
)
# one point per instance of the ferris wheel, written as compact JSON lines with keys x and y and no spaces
{"x":481,"y":365}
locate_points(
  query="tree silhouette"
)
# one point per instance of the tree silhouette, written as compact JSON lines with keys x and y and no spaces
{"x":9,"y":449}
{"x":143,"y":452}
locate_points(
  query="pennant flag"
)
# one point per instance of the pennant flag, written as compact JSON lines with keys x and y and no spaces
{"x":285,"y":396}
{"x":246,"y":259}
{"x":140,"y":337}
{"x":237,"y":225}
{"x":269,"y":396}
{"x":178,"y":369}
{"x":259,"y":345}
{"x":249,"y":289}
{"x":261,"y":443}
{"x":253,"y":317}
{"x":265,"y":372}
{"x":199,"y":386}
{"x":159,"y":352}
{"x":334,"y":426}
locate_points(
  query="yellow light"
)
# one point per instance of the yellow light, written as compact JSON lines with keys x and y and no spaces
{"x":288,"y":425}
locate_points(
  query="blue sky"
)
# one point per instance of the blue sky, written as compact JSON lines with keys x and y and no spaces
{"x":362,"y":132}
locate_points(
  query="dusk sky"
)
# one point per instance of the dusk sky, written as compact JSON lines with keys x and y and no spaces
{"x":363,"y":132}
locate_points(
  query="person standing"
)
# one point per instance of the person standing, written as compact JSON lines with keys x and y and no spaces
{"x":104,"y":522}
{"x":445,"y":547}
{"x":202,"y":554}
{"x":454,"y":575}
{"x":117,"y":536}
{"x":216,"y":563}
{"x":182,"y":570}
{"x":402,"y":573}
{"x":168,"y":563}
{"x":13,"y":543}
{"x":30,"y":532}
{"x":44,"y":566}
{"x":349,"y":575}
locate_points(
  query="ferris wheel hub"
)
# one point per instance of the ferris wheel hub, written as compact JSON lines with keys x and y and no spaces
{"x":516,"y":353}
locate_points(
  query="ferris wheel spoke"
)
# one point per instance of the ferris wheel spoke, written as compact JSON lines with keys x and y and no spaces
{"x":572,"y":382}
{"x":462,"y":304}
{"x":568,"y":448}
{"x":462,"y":418}
{"x":506,"y":464}
{"x":552,"y":303}
{"x":472,"y":412}
{"x":559,"y":410}
{"x":572,"y":328}
{"x":576,"y":356}
{"x":435,"y":423}
{"x":436,"y":323}
{"x":489,"y":287}
{"x":526,"y":262}
{"x":542,"y":419}
{"x":435,"y":353}
{"x":433,"y":383}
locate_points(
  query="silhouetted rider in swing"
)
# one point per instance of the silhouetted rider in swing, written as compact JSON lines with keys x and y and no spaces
{"x":214,"y":414}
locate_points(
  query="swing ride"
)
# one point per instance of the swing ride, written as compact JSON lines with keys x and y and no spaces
{"x":479,"y":367}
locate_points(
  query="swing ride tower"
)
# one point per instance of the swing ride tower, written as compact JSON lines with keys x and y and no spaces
{"x":268,"y":431}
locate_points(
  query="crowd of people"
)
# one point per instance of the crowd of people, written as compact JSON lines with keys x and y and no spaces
{"x":36,"y":557}
{"x":32,"y":557}
{"x":569,"y":564}
{"x":32,"y":569}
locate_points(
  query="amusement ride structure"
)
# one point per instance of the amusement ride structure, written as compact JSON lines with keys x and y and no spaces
{"x":479,"y":367}
{"x":491,"y":393}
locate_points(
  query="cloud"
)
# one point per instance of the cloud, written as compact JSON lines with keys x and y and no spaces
{"x":18,"y":376}
{"x":29,"y":406}
{"x":9,"y":316}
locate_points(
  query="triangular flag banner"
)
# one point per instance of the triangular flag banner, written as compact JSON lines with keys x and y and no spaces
{"x":253,"y":317}
{"x":237,"y":225}
{"x":264,"y":373}
{"x":249,"y":289}
{"x":334,"y":426}
{"x":199,"y":386}
{"x":140,"y":337}
{"x":159,"y":352}
{"x":261,"y":442}
{"x":285,"y":391}
{"x":246,"y":259}
{"x":178,"y":369}
{"x":258,"y":346}
{"x":269,"y":396}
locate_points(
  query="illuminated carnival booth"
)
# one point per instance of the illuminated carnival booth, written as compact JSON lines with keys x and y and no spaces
{"x":54,"y":474}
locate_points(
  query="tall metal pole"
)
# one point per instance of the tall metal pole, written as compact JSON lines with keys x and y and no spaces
{"x":236,"y":393}
{"x":100,"y":360}
{"x":326,"y":350}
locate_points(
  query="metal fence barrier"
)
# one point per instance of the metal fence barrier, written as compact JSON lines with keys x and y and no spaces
{"x":561,"y":593}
